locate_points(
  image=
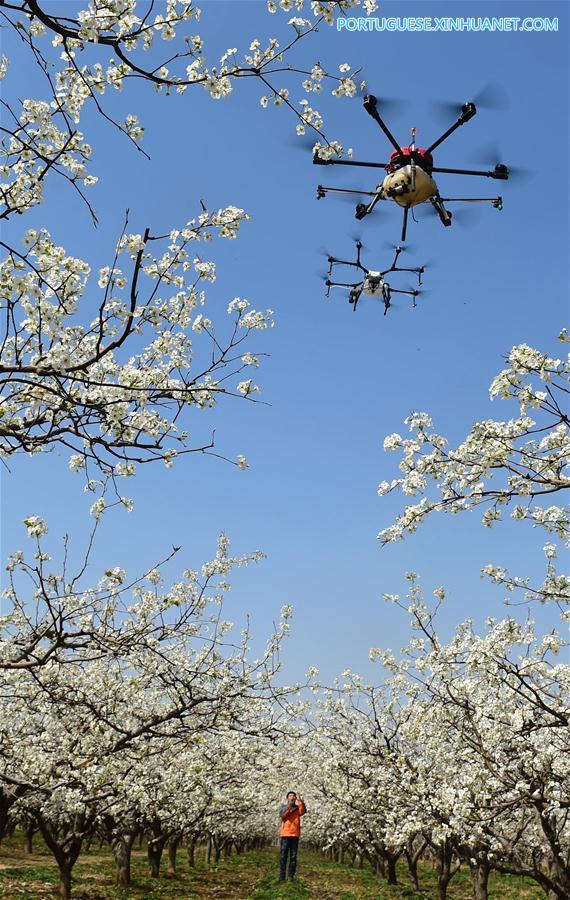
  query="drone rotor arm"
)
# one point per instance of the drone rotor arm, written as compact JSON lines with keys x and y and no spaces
{"x":471,"y":199}
{"x":335,"y":261}
{"x":370,"y":105}
{"x":346,"y":284}
{"x":500,"y":172}
{"x":318,"y":161}
{"x":322,"y":191}
{"x":417,"y":270}
{"x":410,"y":293}
{"x":393,"y":267}
{"x":468,"y":110}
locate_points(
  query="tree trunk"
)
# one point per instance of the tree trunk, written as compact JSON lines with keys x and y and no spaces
{"x":413,"y":855}
{"x":7,"y":800}
{"x":155,"y":847}
{"x":65,"y":854}
{"x":29,"y":838}
{"x":413,"y":870}
{"x":65,"y":881}
{"x":172,"y":848}
{"x":445,"y":872}
{"x":209,"y":847}
{"x":392,"y":860}
{"x":121,"y":846}
{"x":480,"y":879}
{"x":190,"y":852}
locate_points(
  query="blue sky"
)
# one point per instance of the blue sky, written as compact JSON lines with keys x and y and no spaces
{"x":337,"y":382}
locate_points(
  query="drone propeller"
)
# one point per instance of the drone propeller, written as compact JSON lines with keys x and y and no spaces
{"x":462,"y":215}
{"x":420,"y":292}
{"x":304,"y":142}
{"x":490,"y":155}
{"x":391,"y":107}
{"x":412,"y":297}
{"x":356,"y":237}
{"x":491,"y":96}
{"x":354,"y":198}
{"x":404,"y":248}
{"x":465,"y":216}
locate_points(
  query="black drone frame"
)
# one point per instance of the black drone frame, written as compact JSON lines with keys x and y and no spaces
{"x":356,"y":287}
{"x":468,"y":110}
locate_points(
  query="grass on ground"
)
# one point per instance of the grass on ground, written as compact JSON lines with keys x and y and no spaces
{"x":251,"y":876}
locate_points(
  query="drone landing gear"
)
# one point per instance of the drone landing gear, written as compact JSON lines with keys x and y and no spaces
{"x":444,"y":215}
{"x":363,"y":209}
{"x":354,"y":297}
{"x":405,"y":224}
{"x":387,"y":296}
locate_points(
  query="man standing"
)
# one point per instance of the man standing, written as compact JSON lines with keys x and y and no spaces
{"x":290,"y":815}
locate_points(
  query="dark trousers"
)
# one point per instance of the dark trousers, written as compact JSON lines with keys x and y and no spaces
{"x":289,"y":847}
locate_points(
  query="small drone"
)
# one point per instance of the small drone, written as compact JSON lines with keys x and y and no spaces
{"x":372,"y":284}
{"x":409,"y":180}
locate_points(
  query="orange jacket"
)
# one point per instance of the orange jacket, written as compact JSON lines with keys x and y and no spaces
{"x":291,"y":819}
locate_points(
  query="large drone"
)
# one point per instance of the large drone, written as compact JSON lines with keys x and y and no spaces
{"x":371,"y":283}
{"x":409,"y":179}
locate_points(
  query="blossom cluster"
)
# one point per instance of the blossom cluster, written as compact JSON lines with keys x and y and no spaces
{"x":519,"y":464}
{"x":84,"y":386}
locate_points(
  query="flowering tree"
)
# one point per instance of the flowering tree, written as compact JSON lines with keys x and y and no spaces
{"x":459,"y":754}
{"x":517,"y":464}
{"x":125,"y":34}
{"x":488,"y":735}
{"x":87,"y":387}
{"x":114,"y":384}
{"x":99,"y":682}
{"x":185,"y":782}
